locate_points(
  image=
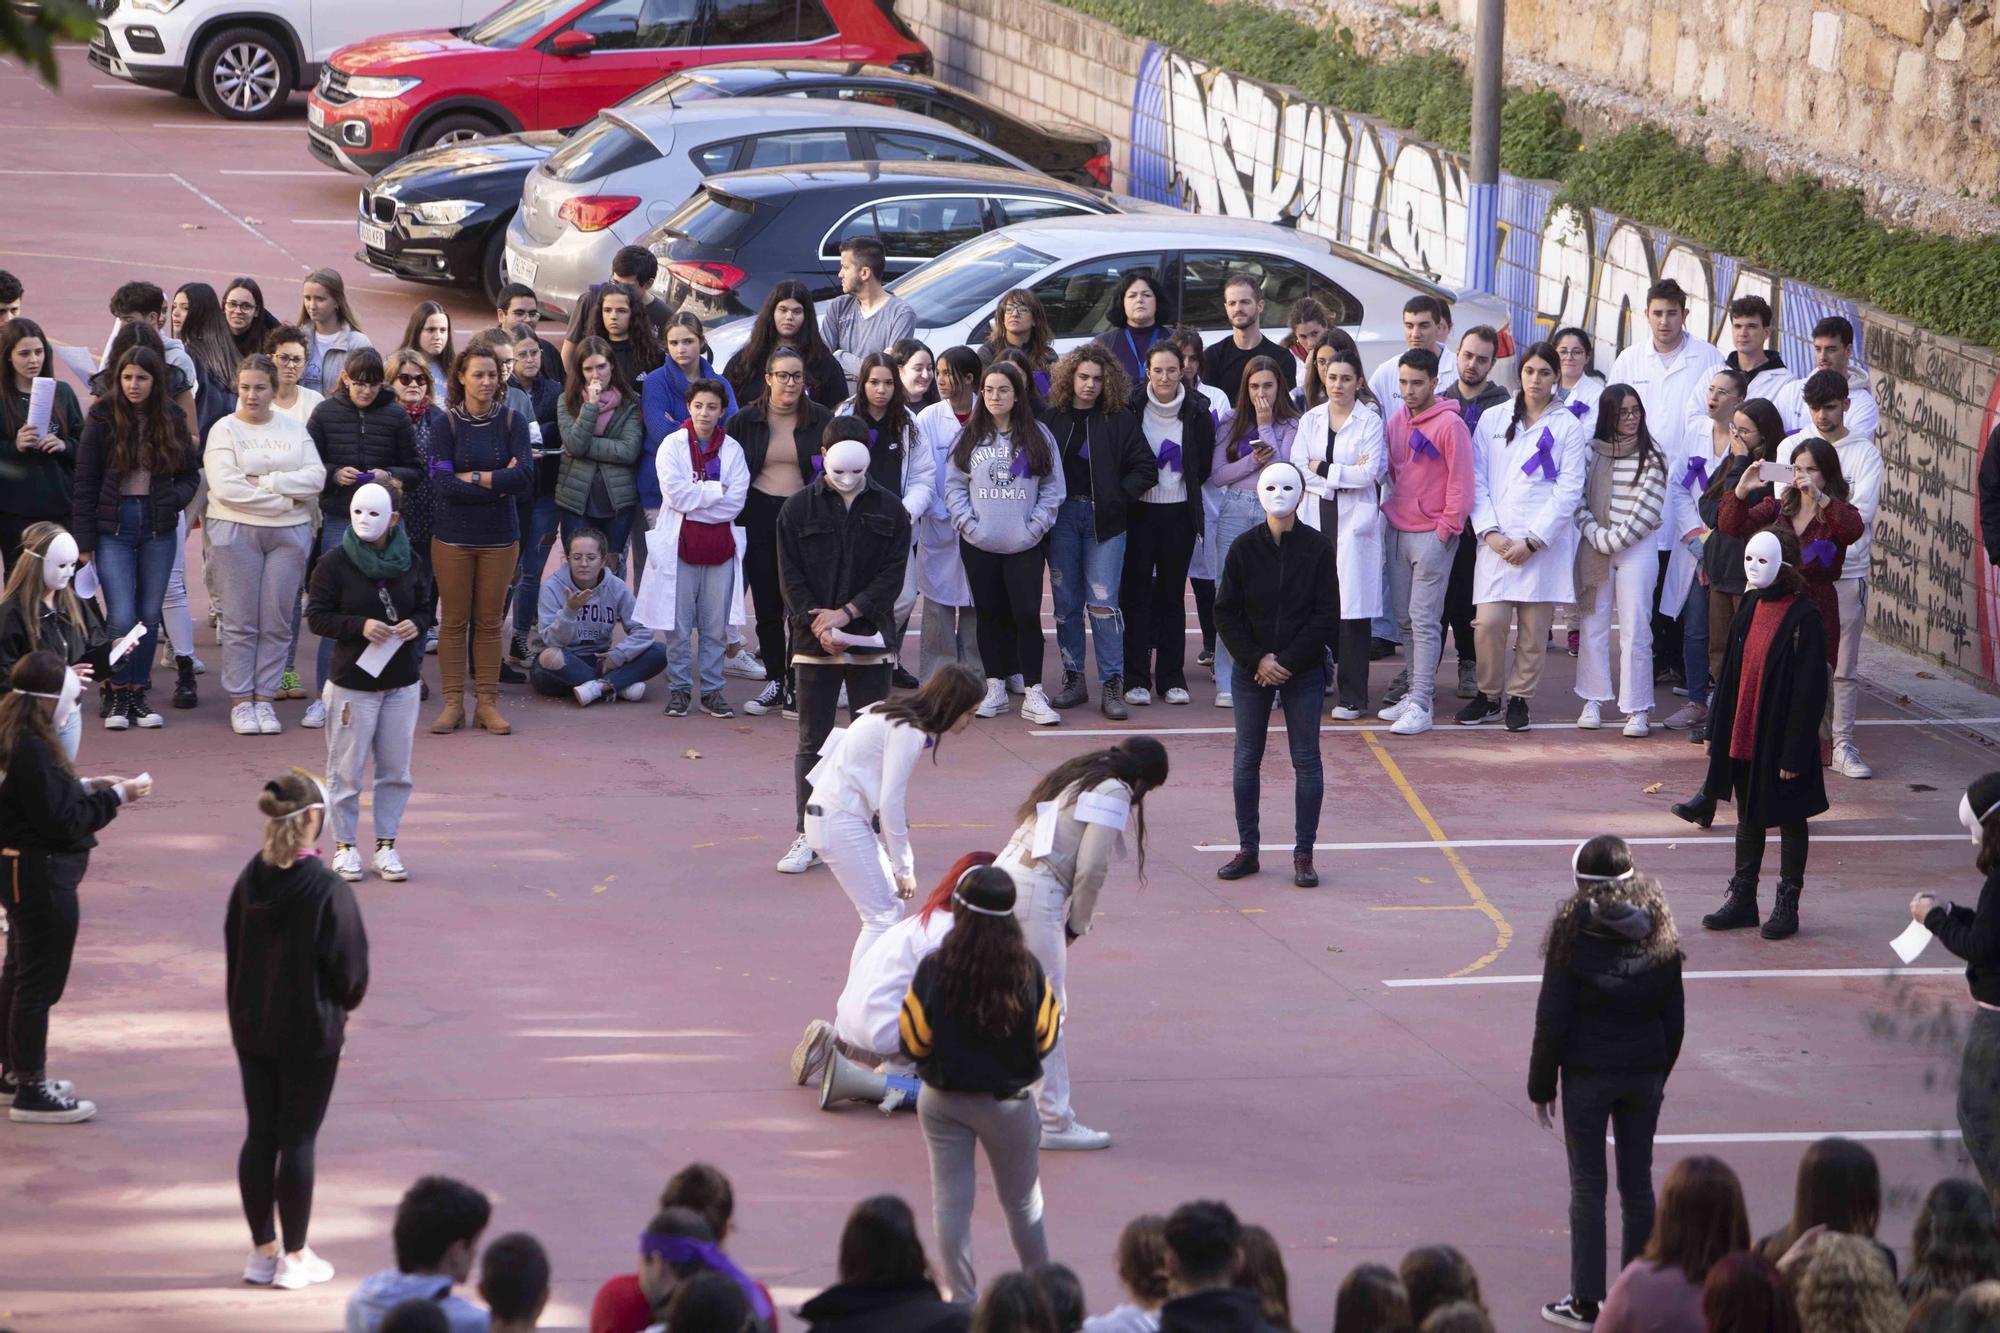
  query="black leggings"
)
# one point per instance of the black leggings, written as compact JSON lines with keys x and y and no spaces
{"x":1204,"y":610}
{"x":760,"y":572}
{"x":1152,"y":594}
{"x":1458,"y":599}
{"x":39,"y":889}
{"x":286,"y":1099}
{"x":1792,"y":847}
{"x":1007,"y":608}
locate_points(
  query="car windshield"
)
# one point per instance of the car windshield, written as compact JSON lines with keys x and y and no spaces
{"x":679,"y":89}
{"x":956,"y":284}
{"x":512,"y":25}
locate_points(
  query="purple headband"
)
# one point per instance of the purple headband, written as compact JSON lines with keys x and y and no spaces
{"x":687,"y":1250}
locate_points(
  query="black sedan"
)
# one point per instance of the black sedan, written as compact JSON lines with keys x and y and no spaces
{"x":745,"y":231}
{"x":441,"y":215}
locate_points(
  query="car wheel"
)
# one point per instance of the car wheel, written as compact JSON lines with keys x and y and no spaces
{"x":493,"y":261}
{"x":244,"y":74}
{"x":457,"y":129}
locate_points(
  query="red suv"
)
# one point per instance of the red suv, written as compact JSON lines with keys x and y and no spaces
{"x":553,"y":64}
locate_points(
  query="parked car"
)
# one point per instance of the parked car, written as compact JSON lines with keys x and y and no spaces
{"x":553,"y":64}
{"x":1074,"y":265}
{"x":742,"y":233}
{"x":1067,"y":152}
{"x":630,"y":168}
{"x":243,"y":60}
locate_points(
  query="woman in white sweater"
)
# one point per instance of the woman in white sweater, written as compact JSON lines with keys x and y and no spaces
{"x":264,"y":481}
{"x":1624,"y":491}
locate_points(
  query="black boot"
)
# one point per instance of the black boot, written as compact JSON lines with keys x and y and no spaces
{"x":1784,"y":921}
{"x":107,"y":700}
{"x":1112,"y":700}
{"x":1698,"y":810}
{"x":1738,"y":910}
{"x":1072,"y":693}
{"x":184,"y":695}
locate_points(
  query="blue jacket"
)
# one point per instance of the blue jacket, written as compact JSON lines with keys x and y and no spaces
{"x":662,"y":409}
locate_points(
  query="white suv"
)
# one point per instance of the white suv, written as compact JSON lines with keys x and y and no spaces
{"x":243,"y":58}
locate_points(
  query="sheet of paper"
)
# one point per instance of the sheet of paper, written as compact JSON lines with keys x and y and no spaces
{"x":41,"y":404}
{"x":1096,"y":808}
{"x":378,"y":655}
{"x":85,"y":582}
{"x":1916,"y":937}
{"x":78,"y":359}
{"x":845,"y":640}
{"x":127,"y":644}
{"x":1045,"y":829}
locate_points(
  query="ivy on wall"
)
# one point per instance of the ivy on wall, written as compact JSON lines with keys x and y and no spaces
{"x":1796,"y":226}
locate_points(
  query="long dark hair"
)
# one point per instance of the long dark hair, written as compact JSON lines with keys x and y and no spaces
{"x":1140,"y":762}
{"x":1831,"y":479}
{"x":880,"y":1244}
{"x":748,"y":364}
{"x":12,"y":334}
{"x":36,"y":673}
{"x":413,"y":336}
{"x":1039,"y":349}
{"x":1245,"y":420}
{"x":1339,"y":354}
{"x":1372,"y":1299}
{"x":1609,"y":405}
{"x":647,"y":353}
{"x":900,"y":351}
{"x":261,"y":323}
{"x":1163,"y":313}
{"x":573,"y":390}
{"x":1544,"y":352}
{"x":1955,"y":1243}
{"x":1839,"y":1187}
{"x":984,"y":968}
{"x":1608,"y":855}
{"x":1263,"y":1271}
{"x":1062,"y":380}
{"x":205,"y":334}
{"x":1701,"y":1218}
{"x":1745,"y":1293}
{"x":938,"y":704}
{"x":896,"y":416}
{"x":1770,"y":430}
{"x":1021,"y":428}
{"x":144,"y":436}
{"x":1340,"y":340}
{"x":1013,"y":1304}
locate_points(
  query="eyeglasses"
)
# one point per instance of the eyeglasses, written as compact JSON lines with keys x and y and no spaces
{"x":249,"y":307}
{"x":412,"y":381}
{"x":787,"y":376}
{"x":295,"y":359}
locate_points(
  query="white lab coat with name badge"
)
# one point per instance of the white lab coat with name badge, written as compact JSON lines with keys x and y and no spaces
{"x":940,"y":572}
{"x":1509,"y":501}
{"x":1353,"y":485}
{"x":687,"y":496}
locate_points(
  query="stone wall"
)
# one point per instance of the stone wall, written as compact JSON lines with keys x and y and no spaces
{"x":1217,"y":142}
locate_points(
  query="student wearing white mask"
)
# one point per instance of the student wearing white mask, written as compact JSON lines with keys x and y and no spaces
{"x":369,"y":598}
{"x":1276,"y":604}
{"x":40,"y":611}
{"x":1763,"y":733}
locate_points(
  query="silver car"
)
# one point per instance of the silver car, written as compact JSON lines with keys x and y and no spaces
{"x":631,"y":167}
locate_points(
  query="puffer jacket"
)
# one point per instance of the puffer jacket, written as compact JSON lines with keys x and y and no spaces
{"x":586,"y":454}
{"x":1613,"y":1005}
{"x":377,"y":438}
{"x":96,"y":494}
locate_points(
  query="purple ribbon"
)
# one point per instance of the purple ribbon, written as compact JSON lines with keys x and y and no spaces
{"x":1019,"y":467}
{"x":1578,"y":408}
{"x":1420,"y":445}
{"x":1821,"y":554}
{"x":441,"y":467}
{"x":1696,"y":476}
{"x":819,"y":465}
{"x":685,"y":1250}
{"x":712,"y":468}
{"x":1041,"y":378}
{"x":1545,"y":456}
{"x":1170,"y":455}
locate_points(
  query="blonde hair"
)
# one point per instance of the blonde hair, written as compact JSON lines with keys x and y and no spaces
{"x":1846,"y":1288}
{"x":283,"y":803}
{"x":415,"y":360}
{"x":25,"y":588}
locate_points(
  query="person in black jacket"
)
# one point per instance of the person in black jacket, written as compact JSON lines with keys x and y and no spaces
{"x":1608,"y":1027}
{"x":885,"y":1281}
{"x":368,"y":591}
{"x":1989,"y":496}
{"x":48,"y":823}
{"x":979,"y":1018}
{"x":35,"y":466}
{"x":40,"y":609}
{"x":296,"y":959}
{"x":532,"y":375}
{"x":1204,"y":1254}
{"x":1275,"y":605}
{"x":1974,"y":935}
{"x":1107,"y":466}
{"x":842,"y":543}
{"x":1162,"y":527}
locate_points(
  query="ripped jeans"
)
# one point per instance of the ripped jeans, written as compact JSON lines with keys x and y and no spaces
{"x":1084,"y":572}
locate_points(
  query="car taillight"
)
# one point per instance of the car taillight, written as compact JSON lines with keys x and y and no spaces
{"x":716,"y":278}
{"x":1099,"y":168}
{"x":595,"y":212}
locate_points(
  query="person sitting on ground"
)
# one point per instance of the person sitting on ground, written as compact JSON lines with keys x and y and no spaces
{"x":514,"y":1282}
{"x":622,"y":1305}
{"x":1204,"y":1255}
{"x":1435,"y":1275}
{"x":1263,"y":1272}
{"x":1063,"y":1291}
{"x":885,"y":1281}
{"x":1955,"y":1243}
{"x":582,"y":602}
{"x":1846,"y":1286}
{"x":1372,"y":1299}
{"x":1745,"y":1293}
{"x":1839,"y":1188}
{"x":707,"y":1303}
{"x":1013,"y":1304}
{"x":438,"y":1224}
{"x":1142,"y":1267}
{"x":1700,"y":1219}
{"x":1458,"y":1317}
{"x":415,"y":1315}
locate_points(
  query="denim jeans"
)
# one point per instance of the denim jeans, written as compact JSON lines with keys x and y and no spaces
{"x":330,"y":532}
{"x":1084,"y":572}
{"x":701,"y":610}
{"x":617,"y":532}
{"x":538,"y":533}
{"x":1236,"y":512}
{"x":133,"y":566}
{"x":1694,"y":642}
{"x":581,"y":668}
{"x":1303,"y":696}
{"x":1629,"y":1101}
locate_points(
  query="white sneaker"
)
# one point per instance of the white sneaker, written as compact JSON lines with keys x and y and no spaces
{"x":1414,"y":720}
{"x":347,"y":863}
{"x":1342,"y":713}
{"x":1592,"y":716}
{"x":1225,"y":699}
{"x":1847,"y":762}
{"x":1141,"y":696}
{"x":267,"y":719}
{"x":588,"y":693}
{"x":1177,"y":695}
{"x":1016,"y":685}
{"x":744,"y":666}
{"x":315,"y":717}
{"x":1077,"y":1138}
{"x":799,"y":859}
{"x":634,"y":692}
{"x":305,"y":1271}
{"x":260,"y":1268}
{"x":1390,"y":712}
{"x":1035,"y":708}
{"x":146,"y":717}
{"x":995,"y":702}
{"x":809,"y":1056}
{"x":389,"y":866}
{"x":242,"y":719}
{"x":1637,"y":726}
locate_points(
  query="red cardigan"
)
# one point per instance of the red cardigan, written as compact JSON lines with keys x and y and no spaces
{"x":1837,"y":521}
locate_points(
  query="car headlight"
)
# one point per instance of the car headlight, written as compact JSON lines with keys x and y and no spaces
{"x":157,"y":6}
{"x":365,"y":85}
{"x":443,"y":212}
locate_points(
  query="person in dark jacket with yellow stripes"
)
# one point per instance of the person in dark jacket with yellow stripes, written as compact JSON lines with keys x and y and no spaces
{"x":978,"y":1020}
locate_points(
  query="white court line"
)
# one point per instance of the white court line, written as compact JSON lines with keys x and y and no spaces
{"x":1733,"y":974}
{"x":108,"y":175}
{"x":1693,"y":838}
{"x":1378,"y":725}
{"x":1811,"y":1136}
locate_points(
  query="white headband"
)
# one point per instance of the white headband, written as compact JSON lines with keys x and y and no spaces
{"x":320,"y":804}
{"x":1577,"y":856}
{"x":959,"y":898}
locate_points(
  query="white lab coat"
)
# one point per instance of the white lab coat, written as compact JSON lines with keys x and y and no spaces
{"x":1673,"y":387}
{"x":1206,"y":564}
{"x":1509,"y":501}
{"x":1585,"y":391}
{"x":1353,"y":485}
{"x":1387,"y":381}
{"x":940,"y":573}
{"x":687,"y":496}
{"x":1683,"y":511}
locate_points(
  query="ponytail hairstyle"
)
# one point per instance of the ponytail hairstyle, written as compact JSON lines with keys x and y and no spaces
{"x":984,"y":968}
{"x":940,"y":899}
{"x":965,"y":366}
{"x":1589,"y":351}
{"x":283,"y":803}
{"x":37,"y":673}
{"x":1140,"y":762}
{"x":1021,"y":428}
{"x":938,"y":704}
{"x":1544,"y":352}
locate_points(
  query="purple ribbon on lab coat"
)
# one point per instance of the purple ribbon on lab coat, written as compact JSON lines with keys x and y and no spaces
{"x":1170,"y":455}
{"x":1696,"y":476}
{"x":1821,"y":554}
{"x":1578,"y":408}
{"x":1420,"y":446}
{"x":712,"y":468}
{"x":1545,"y":456}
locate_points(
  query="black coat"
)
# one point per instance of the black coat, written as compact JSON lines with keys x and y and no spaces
{"x":826,"y":382}
{"x":1197,"y":442}
{"x":376,"y":438}
{"x":94,"y":505}
{"x":38,"y":485}
{"x":340,"y":602}
{"x":868,"y":1307}
{"x":44,"y":807}
{"x":56,"y":633}
{"x":1974,"y":935}
{"x":1122,"y":466}
{"x":1989,"y":497}
{"x":1611,"y":1006}
{"x":832,"y":554}
{"x":1277,"y":597}
{"x":750,"y":428}
{"x":1228,"y":1310}
{"x":296,"y":958}
{"x":1790,"y":703}
{"x":1722,"y":554}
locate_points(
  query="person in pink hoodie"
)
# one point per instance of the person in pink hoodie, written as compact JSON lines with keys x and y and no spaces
{"x":1430,"y":495}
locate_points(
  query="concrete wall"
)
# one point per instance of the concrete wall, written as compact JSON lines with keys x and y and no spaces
{"x":1217,"y":142}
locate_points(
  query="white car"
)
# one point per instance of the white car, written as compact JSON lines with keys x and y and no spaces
{"x":243,"y":59}
{"x":1075,"y":264}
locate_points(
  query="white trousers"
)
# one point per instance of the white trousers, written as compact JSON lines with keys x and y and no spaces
{"x":861,"y":864}
{"x":1041,"y":904}
{"x":1629,"y":585}
{"x":1852,"y":597}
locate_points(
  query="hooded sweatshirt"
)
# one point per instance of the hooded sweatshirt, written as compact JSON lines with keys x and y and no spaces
{"x":1430,"y":492}
{"x":1224,"y":1310}
{"x":995,"y":509}
{"x":588,"y":632}
{"x":384,"y":1291}
{"x":1613,"y":1005}
{"x":297,"y":959}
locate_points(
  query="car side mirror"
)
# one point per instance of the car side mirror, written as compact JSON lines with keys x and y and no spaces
{"x":573,"y":43}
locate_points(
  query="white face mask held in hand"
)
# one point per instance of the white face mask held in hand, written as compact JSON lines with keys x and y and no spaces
{"x":371,"y":512}
{"x":847,"y":467}
{"x":1763,"y":557}
{"x":59,"y":562}
{"x":1280,"y":488}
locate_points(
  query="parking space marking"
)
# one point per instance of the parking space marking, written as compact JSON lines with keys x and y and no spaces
{"x":1349,"y":727}
{"x":1692,"y":838}
{"x":1726,"y":974}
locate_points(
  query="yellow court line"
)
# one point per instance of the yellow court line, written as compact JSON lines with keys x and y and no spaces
{"x":1503,"y":933}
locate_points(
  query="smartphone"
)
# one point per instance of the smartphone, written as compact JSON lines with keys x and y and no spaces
{"x":1778,"y":474}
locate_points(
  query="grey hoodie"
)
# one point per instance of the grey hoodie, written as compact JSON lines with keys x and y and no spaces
{"x":996,"y":510}
{"x":384,"y":1291}
{"x":588,"y":632}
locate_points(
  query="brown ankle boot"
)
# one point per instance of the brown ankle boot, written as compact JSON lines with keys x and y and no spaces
{"x":486,"y":713}
{"x":452,"y":717}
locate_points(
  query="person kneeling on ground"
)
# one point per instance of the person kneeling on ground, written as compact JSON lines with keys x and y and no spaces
{"x":437,"y":1230}
{"x":581,"y":603}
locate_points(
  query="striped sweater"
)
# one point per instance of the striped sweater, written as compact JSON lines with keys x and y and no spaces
{"x":1636,"y":505}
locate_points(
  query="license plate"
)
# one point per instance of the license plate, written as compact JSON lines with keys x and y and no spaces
{"x":374,"y":237}
{"x":521,"y":270}
{"x":315,"y":115}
